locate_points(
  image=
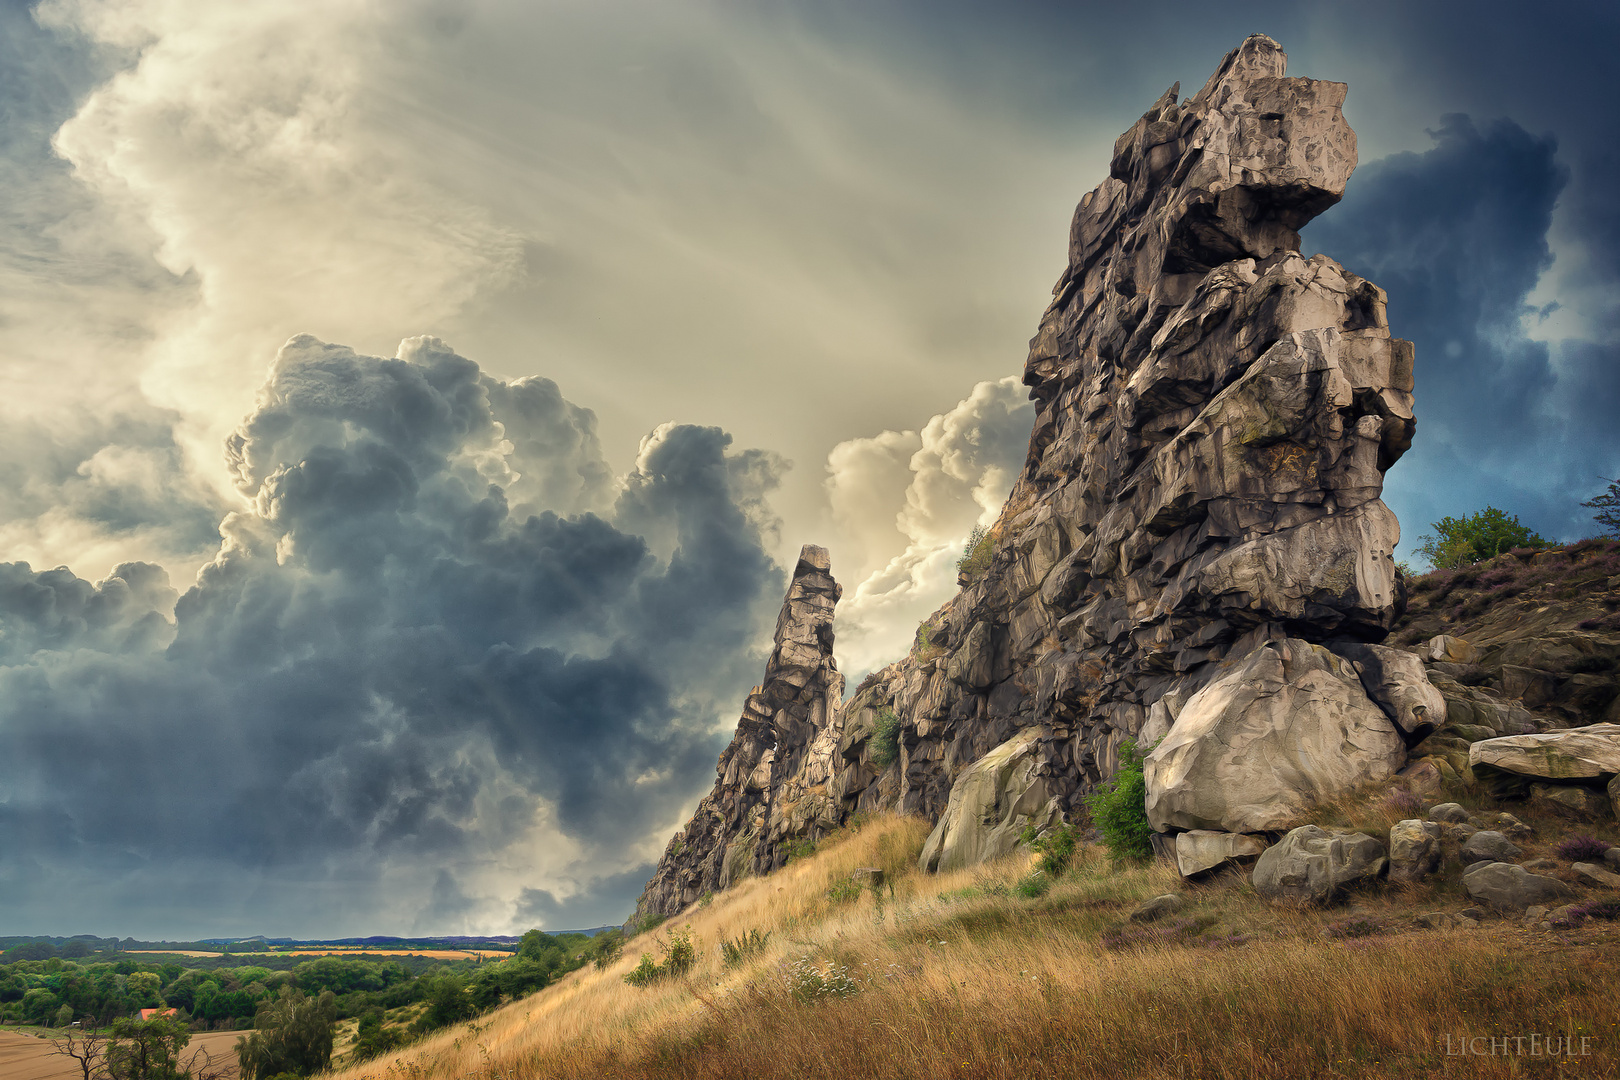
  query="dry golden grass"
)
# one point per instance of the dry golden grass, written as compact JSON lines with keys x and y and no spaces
{"x":957,"y":976}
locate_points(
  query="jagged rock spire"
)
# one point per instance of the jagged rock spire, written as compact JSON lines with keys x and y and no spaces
{"x":782,"y":751}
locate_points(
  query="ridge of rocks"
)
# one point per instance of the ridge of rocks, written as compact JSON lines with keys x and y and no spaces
{"x":1199,"y":506}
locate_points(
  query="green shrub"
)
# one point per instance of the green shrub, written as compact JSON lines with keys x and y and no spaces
{"x":884,"y":746}
{"x":734,"y":952}
{"x":1055,"y":848}
{"x":607,"y":946}
{"x":976,"y":553}
{"x":844,"y":890}
{"x":1034,"y":885}
{"x":1119,"y":808}
{"x":679,"y":955}
{"x":799,"y":848}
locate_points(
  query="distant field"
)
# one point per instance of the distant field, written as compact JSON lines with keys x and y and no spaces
{"x":24,"y":1057}
{"x":436,"y":954}
{"x":338,"y":950}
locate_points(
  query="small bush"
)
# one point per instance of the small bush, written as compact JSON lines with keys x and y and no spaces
{"x":735,"y":951}
{"x":1404,"y":801}
{"x":679,"y":956}
{"x":1033,"y":886}
{"x":1581,"y":848}
{"x":800,"y":848}
{"x":976,"y":554}
{"x":844,"y":890}
{"x":608,"y":945}
{"x":1119,"y":808}
{"x":1055,"y":848}
{"x":884,"y":746}
{"x":1607,"y":910}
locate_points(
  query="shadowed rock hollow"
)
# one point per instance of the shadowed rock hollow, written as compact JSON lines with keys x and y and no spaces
{"x":1195,"y":550}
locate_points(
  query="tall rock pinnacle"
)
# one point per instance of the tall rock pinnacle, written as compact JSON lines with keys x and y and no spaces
{"x":783,"y":748}
{"x":1195,"y":554}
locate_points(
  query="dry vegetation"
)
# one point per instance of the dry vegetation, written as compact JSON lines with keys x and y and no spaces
{"x":957,"y":976}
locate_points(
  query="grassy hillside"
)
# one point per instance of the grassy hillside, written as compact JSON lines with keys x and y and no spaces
{"x":982,"y":974}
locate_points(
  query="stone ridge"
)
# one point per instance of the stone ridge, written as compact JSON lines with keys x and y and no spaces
{"x":1214,"y":415}
{"x":783,"y":749}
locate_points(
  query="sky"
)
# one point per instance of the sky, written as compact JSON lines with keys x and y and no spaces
{"x":408,"y":411}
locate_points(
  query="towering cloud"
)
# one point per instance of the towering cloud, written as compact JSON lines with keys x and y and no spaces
{"x":944,"y":480}
{"x":441,"y":657}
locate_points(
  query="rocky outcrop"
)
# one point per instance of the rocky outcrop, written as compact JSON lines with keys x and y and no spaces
{"x":772,"y":780}
{"x":1199,"y":851}
{"x":1214,"y":415}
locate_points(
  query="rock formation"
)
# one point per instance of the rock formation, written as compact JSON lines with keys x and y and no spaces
{"x":782,"y":755}
{"x":1199,"y":509}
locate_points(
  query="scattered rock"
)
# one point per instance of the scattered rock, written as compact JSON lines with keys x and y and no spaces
{"x":1486,"y":846}
{"x":1511,"y":889}
{"x":1445,"y":649}
{"x":1589,"y":753}
{"x":1568,"y":915}
{"x":1307,"y":732}
{"x":1448,"y":811}
{"x":1583,"y":803}
{"x":1414,"y":850}
{"x":1312,"y":865}
{"x":990,"y":805}
{"x":1459,"y":831}
{"x":1536,"y":866}
{"x":1612,"y":857}
{"x":1201,"y":850}
{"x":1535,"y":913}
{"x":1593,"y":874}
{"x":1472,"y":913}
{"x":1512,"y":827}
{"x":1437,"y":920}
{"x":1158,"y":907}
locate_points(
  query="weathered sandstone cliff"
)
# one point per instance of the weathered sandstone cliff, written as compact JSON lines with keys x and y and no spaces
{"x":1194,"y":556}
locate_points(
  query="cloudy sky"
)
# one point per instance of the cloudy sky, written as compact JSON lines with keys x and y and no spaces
{"x":407,"y":410}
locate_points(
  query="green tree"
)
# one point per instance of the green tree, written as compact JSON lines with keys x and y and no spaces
{"x":1119,"y":808}
{"x":147,"y":1049}
{"x":1459,"y":542}
{"x":293,"y":1033}
{"x":1607,"y":506}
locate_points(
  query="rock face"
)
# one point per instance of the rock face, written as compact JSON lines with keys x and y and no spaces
{"x":1314,"y":866}
{"x":1214,"y":415}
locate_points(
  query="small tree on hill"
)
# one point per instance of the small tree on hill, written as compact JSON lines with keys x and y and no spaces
{"x":1457,"y":542}
{"x":1607,"y":506}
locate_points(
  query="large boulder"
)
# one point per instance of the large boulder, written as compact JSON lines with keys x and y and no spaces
{"x":1395,"y":679}
{"x":1285,"y":727}
{"x":990,"y":806}
{"x":1414,"y":849}
{"x":1312,"y":865}
{"x":1510,"y":889}
{"x":1202,"y":850}
{"x":1588,"y":755}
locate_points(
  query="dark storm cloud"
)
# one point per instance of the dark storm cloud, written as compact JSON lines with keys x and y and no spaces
{"x":388,"y":663}
{"x":1458,"y":237}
